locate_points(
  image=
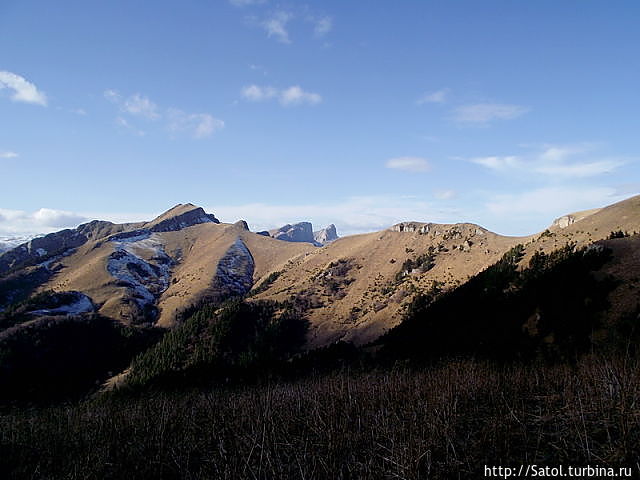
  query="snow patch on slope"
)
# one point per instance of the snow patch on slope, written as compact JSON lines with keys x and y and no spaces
{"x":81,"y":305}
{"x":146,"y":280}
{"x":234,"y":275}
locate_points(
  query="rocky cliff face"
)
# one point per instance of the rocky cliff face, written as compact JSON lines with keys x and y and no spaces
{"x":298,"y":232}
{"x":411,"y":227}
{"x":326,"y":235}
{"x":564,"y":222}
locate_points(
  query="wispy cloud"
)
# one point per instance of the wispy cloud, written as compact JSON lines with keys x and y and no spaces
{"x":297,"y":96}
{"x":580,"y":170}
{"x":136,"y":104}
{"x":124,"y":124}
{"x":482,"y":114}
{"x":23,"y":90}
{"x":445,"y":194}
{"x":276,"y":26}
{"x":196,"y":125}
{"x":553,"y":161}
{"x":498,"y":163}
{"x":409,"y":164}
{"x":439,"y":96}
{"x":141,"y":106}
{"x":258,"y":68}
{"x":290,"y":96}
{"x":552,"y":201}
{"x":323,"y":25}
{"x":256,"y":93}
{"x":8,"y":154}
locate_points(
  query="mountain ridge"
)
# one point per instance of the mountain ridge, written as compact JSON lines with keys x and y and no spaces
{"x":353,"y":288}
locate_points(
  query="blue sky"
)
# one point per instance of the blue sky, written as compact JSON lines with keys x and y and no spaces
{"x":363,"y":114}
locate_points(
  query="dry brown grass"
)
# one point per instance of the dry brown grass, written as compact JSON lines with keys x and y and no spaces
{"x":444,"y":422}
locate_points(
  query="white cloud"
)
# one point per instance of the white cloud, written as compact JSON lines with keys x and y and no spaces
{"x":136,"y":104}
{"x":409,"y":164}
{"x":276,"y":26}
{"x":322,"y":26}
{"x":140,"y":105}
{"x":79,"y":111}
{"x":498,"y":163}
{"x":44,"y":220}
{"x":23,"y":90}
{"x":123,"y":123}
{"x":8,"y":155}
{"x":439,"y":96}
{"x":558,"y":153}
{"x":290,"y":96}
{"x":256,"y":93}
{"x":297,"y":96}
{"x":112,"y":95}
{"x":258,"y":68}
{"x":552,"y":201}
{"x":578,"y":170}
{"x":198,"y":125}
{"x":482,"y":114}
{"x":352,"y":215}
{"x":553,"y":161}
{"x":445,"y":194}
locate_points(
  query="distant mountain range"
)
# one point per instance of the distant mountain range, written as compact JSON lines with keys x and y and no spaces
{"x":354,"y":288}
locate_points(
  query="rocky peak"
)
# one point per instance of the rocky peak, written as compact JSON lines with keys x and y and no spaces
{"x":242,"y":224}
{"x":179,"y":217}
{"x":326,"y":235}
{"x":298,"y":232}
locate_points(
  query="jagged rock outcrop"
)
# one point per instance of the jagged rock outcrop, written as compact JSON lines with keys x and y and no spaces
{"x":411,"y":227}
{"x":298,"y":232}
{"x":40,"y":249}
{"x":564,"y":221}
{"x":326,"y":235}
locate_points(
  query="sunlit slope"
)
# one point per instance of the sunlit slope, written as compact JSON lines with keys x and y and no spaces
{"x":356,"y":287}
